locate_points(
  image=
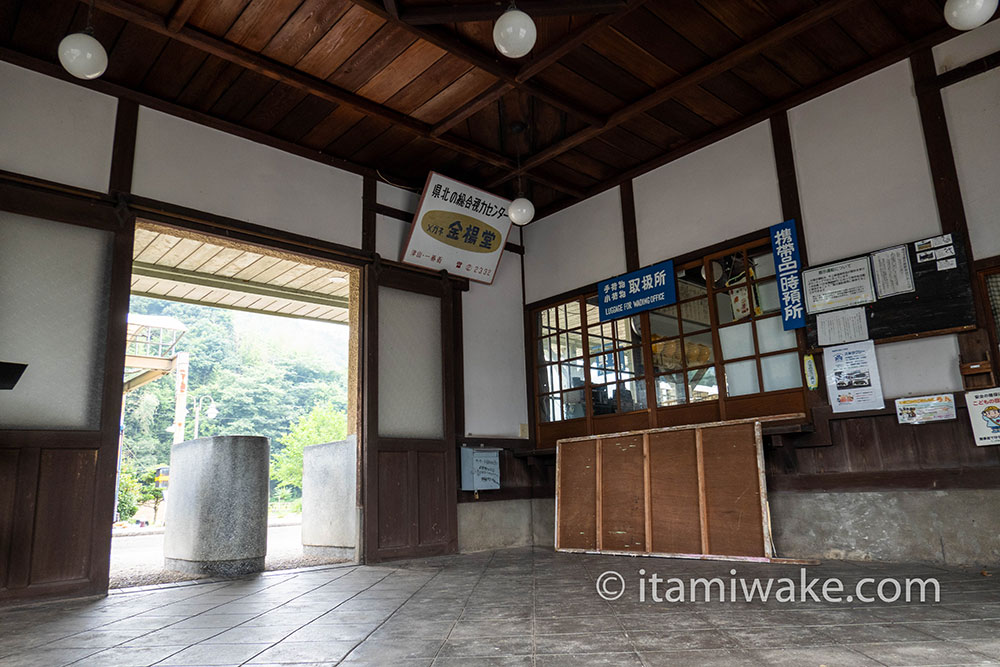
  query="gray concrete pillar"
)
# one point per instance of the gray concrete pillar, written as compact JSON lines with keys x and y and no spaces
{"x":329,"y":499}
{"x":217,"y":515}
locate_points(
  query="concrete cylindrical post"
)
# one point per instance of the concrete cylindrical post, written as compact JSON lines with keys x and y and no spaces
{"x":217,"y":514}
{"x":329,"y":499}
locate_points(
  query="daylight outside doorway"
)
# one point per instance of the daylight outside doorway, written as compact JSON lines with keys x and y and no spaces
{"x":228,"y":339}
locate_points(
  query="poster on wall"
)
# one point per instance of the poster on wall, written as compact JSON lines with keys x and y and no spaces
{"x":458,"y":228}
{"x":984,"y":412}
{"x":842,"y":326}
{"x":893,"y":273}
{"x":924,"y":409}
{"x":632,"y":293}
{"x":852,"y":378}
{"x":838,"y":285}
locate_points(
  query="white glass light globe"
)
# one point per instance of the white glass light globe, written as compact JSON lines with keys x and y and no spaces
{"x":514,"y":33}
{"x":968,"y":14}
{"x":521,"y":211}
{"x":82,"y":56}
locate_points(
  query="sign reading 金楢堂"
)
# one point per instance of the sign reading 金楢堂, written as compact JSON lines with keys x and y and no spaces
{"x":458,"y":228}
{"x":632,"y":293}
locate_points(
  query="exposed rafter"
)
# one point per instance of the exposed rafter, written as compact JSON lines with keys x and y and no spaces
{"x":488,"y":11}
{"x":180,"y":14}
{"x":713,"y":69}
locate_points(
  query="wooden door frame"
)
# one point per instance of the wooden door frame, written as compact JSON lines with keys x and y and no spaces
{"x":379,"y":275}
{"x":98,"y":213}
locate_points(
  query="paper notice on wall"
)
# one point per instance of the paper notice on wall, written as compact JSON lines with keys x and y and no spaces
{"x":923,"y":409}
{"x":852,"y":378}
{"x":893,"y":274}
{"x":945,"y":264}
{"x":984,"y":413}
{"x":933,"y":242}
{"x":838,"y":285}
{"x":842,"y":326}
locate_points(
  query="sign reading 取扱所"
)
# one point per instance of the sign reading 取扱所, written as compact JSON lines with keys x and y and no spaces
{"x":458,"y":228}
{"x":787,"y":265}
{"x":984,"y":411}
{"x":632,"y":293}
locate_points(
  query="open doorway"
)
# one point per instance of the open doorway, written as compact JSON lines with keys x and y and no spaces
{"x":227,"y":339}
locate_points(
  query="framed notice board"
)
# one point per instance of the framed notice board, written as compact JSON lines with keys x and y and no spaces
{"x":919,"y":288}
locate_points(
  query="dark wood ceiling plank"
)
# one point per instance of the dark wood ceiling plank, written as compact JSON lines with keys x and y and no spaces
{"x":516,"y":107}
{"x":601,"y":71}
{"x":763,"y":75}
{"x":360,"y":135}
{"x":375,"y":55}
{"x":913,"y":17}
{"x":259,"y":22}
{"x":327,"y":130}
{"x":705,"y":73}
{"x":545,"y":57}
{"x":833,"y":46}
{"x":432,"y":81}
{"x":466,"y":87}
{"x":654,"y":131}
{"x":348,"y":35}
{"x":678,"y":114}
{"x":307,"y":25}
{"x":217,"y":16}
{"x":461,"y":13}
{"x":488,"y":96}
{"x":631,"y":144}
{"x":643,"y":28}
{"x":599,"y":149}
{"x":278,"y":72}
{"x":870,"y":28}
{"x":302,"y":118}
{"x":173,"y":70}
{"x":554,"y":171}
{"x":134,"y":54}
{"x":576,"y":87}
{"x":617,"y":48}
{"x":484,"y":127}
{"x":583,"y":163}
{"x":180,"y":14}
{"x":247,"y":90}
{"x":391,"y":8}
{"x":735,"y":92}
{"x":41,"y":25}
{"x":409,"y":65}
{"x":274,"y":106}
{"x":380,"y":152}
{"x":548,"y":125}
{"x":8,"y":18}
{"x":212,"y":79}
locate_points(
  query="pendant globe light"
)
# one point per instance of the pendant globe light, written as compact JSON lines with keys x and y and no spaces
{"x":81,"y":54}
{"x":521,"y":211}
{"x":514,"y":33}
{"x":968,"y":14}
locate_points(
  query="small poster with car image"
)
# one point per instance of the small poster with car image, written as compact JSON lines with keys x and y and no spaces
{"x":852,"y":378}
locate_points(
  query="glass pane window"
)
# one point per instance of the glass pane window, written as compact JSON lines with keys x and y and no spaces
{"x":695,"y":315}
{"x":670,"y":389}
{"x":771,"y":335}
{"x":570,"y":345}
{"x":766,"y":297}
{"x":548,"y":349}
{"x":550,"y":408}
{"x":762,"y":262}
{"x":663,"y":323}
{"x":630,"y":362}
{"x":737,"y":341}
{"x":631,"y":395}
{"x":604,"y":400}
{"x":702,"y":385}
{"x":667,"y":356}
{"x":574,"y":404}
{"x":781,"y":371}
{"x":548,"y":379}
{"x":698,"y":349}
{"x":572,"y":374}
{"x":741,"y":378}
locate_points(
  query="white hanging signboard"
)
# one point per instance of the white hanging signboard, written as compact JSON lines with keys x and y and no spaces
{"x":852,"y":378}
{"x":458,"y":228}
{"x":984,"y":412}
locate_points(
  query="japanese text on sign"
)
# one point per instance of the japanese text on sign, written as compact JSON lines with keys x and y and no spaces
{"x":631,"y":293}
{"x":785,"y":248}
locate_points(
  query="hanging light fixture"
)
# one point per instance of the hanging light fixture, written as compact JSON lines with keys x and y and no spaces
{"x":521,"y":210}
{"x":968,"y":14}
{"x":514,"y":33}
{"x":81,"y":54}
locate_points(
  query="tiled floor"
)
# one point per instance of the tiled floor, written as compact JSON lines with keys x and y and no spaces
{"x":512,"y":607}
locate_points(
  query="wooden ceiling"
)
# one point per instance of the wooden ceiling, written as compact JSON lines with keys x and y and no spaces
{"x":612,"y":88}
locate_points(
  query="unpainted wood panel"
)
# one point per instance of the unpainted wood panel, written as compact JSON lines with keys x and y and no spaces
{"x":304,"y":117}
{"x":64,"y":515}
{"x":431,"y":81}
{"x":461,"y":91}
{"x":577,"y":89}
{"x":732,"y":490}
{"x":393,"y":499}
{"x":244,"y":94}
{"x":601,"y":71}
{"x":408,"y":65}
{"x":913,"y":17}
{"x":360,"y":135}
{"x":336,"y":124}
{"x":376,"y":54}
{"x":212,"y":79}
{"x":275,"y":105}
{"x":40,"y":26}
{"x":584,"y":164}
{"x":183,"y":249}
{"x":432,"y":498}
{"x":652,"y":131}
{"x":381,"y":151}
{"x":353,"y":29}
{"x":8,"y":506}
{"x":673,"y":493}
{"x":310,"y":22}
{"x":833,"y":46}
{"x":576,"y":495}
{"x":679,"y":117}
{"x":599,"y":149}
{"x":133,"y":55}
{"x":259,"y":22}
{"x":623,"y":506}
{"x":217,"y":16}
{"x":173,"y":69}
{"x":871,"y":28}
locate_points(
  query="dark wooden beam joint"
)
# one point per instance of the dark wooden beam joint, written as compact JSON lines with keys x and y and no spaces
{"x":629,"y":230}
{"x":180,"y":14}
{"x":123,"y":150}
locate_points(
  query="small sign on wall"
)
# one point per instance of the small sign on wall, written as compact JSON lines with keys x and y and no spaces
{"x":923,"y":409}
{"x":459,"y":229}
{"x":984,"y":412}
{"x":632,"y":293}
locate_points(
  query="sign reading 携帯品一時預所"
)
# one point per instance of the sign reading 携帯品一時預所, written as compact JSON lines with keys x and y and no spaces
{"x":458,"y":228}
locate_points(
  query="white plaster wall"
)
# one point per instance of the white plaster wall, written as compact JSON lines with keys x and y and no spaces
{"x":968,"y":46}
{"x":191,"y":165}
{"x":972,"y":108}
{"x":398,"y":198}
{"x":493,"y":333}
{"x":390,"y":235}
{"x":54,"y":130}
{"x":917,"y":367}
{"x":864,"y":180}
{"x":577,"y":246}
{"x":724,"y":190}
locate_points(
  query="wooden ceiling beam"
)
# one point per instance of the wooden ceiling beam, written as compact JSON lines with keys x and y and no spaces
{"x":489,"y":11}
{"x":180,"y":14}
{"x":751,"y":49}
{"x":502,"y":70}
{"x":484,"y":99}
{"x":391,"y":8}
{"x":274,"y":70}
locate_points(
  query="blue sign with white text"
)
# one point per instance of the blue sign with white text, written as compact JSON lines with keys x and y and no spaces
{"x":632,"y":293}
{"x":788,"y":268}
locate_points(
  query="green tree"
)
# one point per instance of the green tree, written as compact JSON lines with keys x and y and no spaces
{"x":148,"y":491}
{"x":326,"y":422}
{"x":128,"y":494}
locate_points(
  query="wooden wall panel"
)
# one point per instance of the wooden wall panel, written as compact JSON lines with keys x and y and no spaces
{"x":732,"y":489}
{"x":8,"y":497}
{"x":673,"y":465}
{"x":577,"y":520}
{"x":64,"y":521}
{"x":432,"y":496}
{"x":623,"y":514}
